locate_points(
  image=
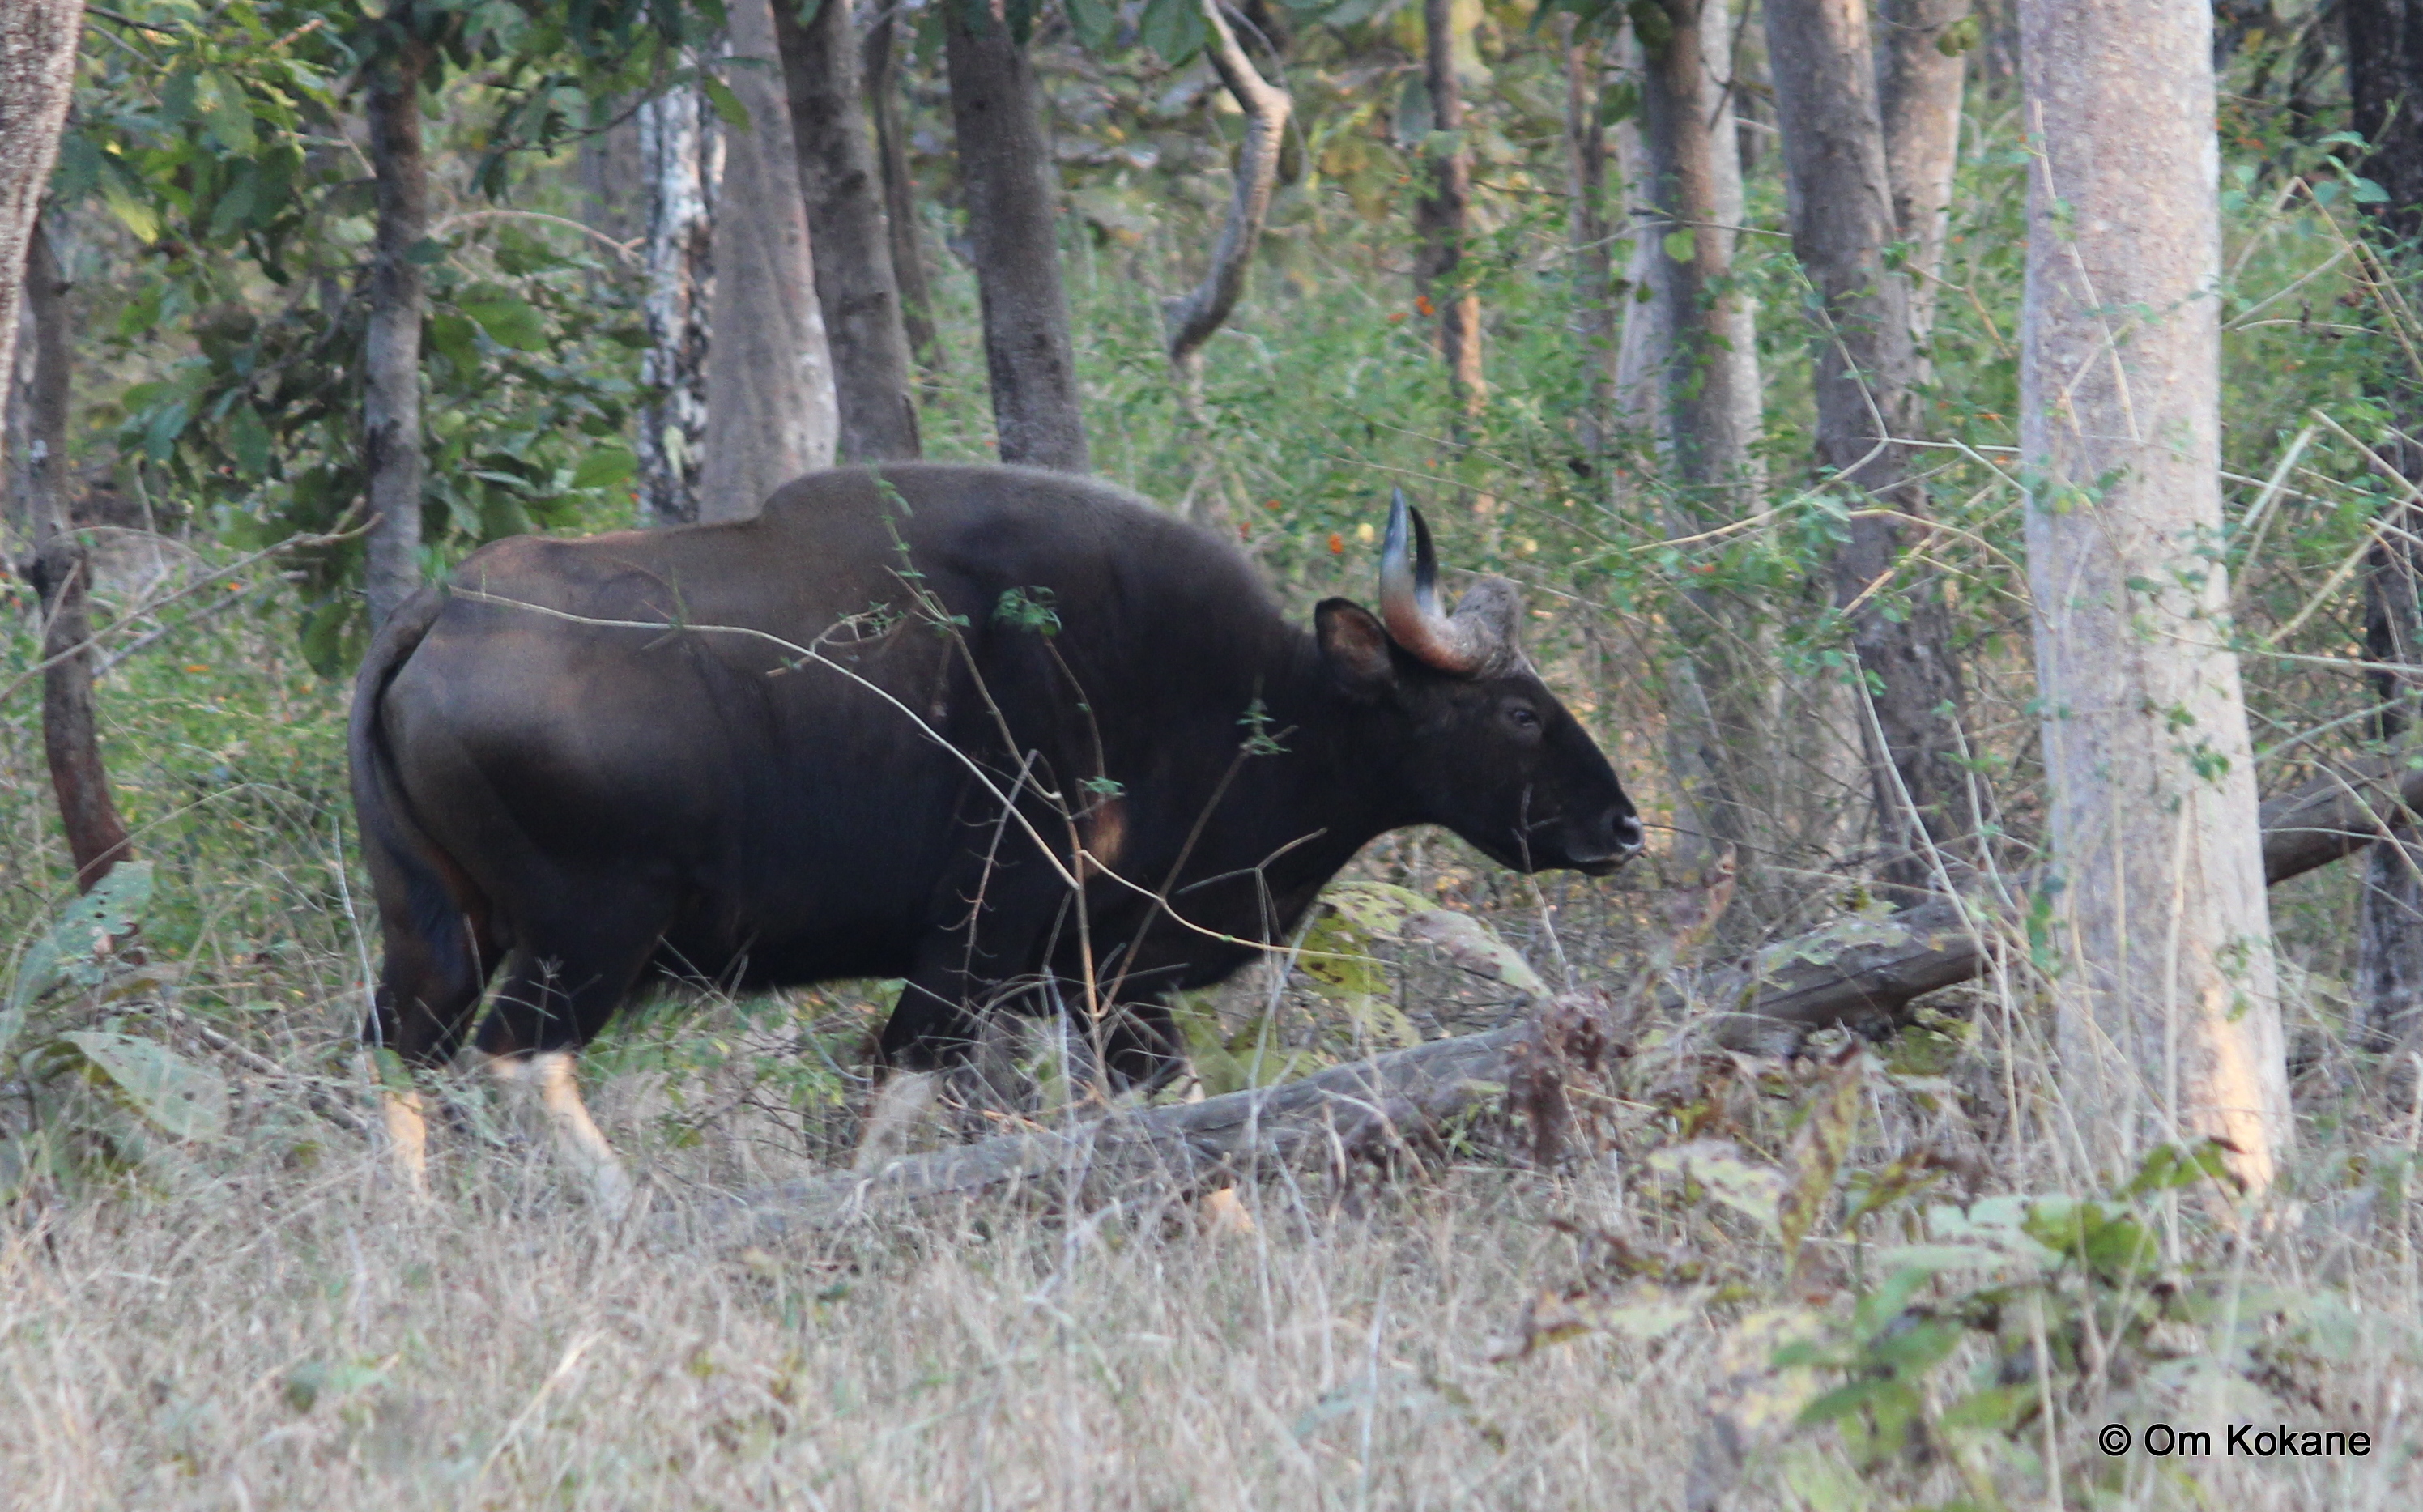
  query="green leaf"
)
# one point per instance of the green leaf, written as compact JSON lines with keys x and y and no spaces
{"x":605,"y":468}
{"x":1096,"y":22}
{"x":1174,"y":29}
{"x":1682,"y":245}
{"x":85,"y":935}
{"x":248,"y":438}
{"x":509,"y":321}
{"x":727,"y":105}
{"x":1337,"y":956}
{"x":1470,"y":944}
{"x":1995,"y":1408}
{"x":2366,"y":191}
{"x":183,"y":1100}
{"x":1818,"y":1148}
{"x":1750,"y":1188}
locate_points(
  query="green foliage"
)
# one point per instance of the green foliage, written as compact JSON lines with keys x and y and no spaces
{"x":95,"y":1098}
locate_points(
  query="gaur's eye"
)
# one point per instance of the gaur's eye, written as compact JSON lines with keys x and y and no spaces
{"x":1521,"y":718}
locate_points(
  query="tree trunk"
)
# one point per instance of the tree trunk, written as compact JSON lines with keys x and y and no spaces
{"x":844,"y":192}
{"x":1444,"y":212}
{"x":1709,"y":390}
{"x":61,"y":573}
{"x":1191,"y":320}
{"x":1694,"y":184}
{"x":1646,"y":344}
{"x":1918,"y":88}
{"x":683,"y":161}
{"x":2385,"y":66}
{"x":2389,"y":937}
{"x":1012,"y":191}
{"x":38,"y":52}
{"x":899,"y":192}
{"x":2167,"y":1004}
{"x":1586,"y":224}
{"x":771,"y":412}
{"x":1842,"y":227}
{"x":392,"y":460}
{"x":2384,"y":69}
{"x":37,"y":397}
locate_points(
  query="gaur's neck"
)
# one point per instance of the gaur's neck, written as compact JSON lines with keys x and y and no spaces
{"x":1309,"y":790}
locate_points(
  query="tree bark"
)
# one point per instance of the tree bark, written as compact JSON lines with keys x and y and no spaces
{"x":2384,"y":69}
{"x":1919,"y":87}
{"x":61,"y":573}
{"x":899,"y":192}
{"x":682,"y":155}
{"x":38,"y":52}
{"x":1708,"y":391}
{"x":1866,"y":367}
{"x":1389,"y":1099}
{"x":392,"y":459}
{"x":771,"y":411}
{"x":37,"y":397}
{"x":1012,"y":189}
{"x":1443,"y":214}
{"x":1694,"y":185}
{"x":2168,"y":1010}
{"x":1586,"y":227}
{"x":2390,"y":936}
{"x":844,"y":192}
{"x":1189,"y":321}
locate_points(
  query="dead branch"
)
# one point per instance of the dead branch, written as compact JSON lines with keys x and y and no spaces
{"x":1192,"y":320}
{"x":1351,"y":1111}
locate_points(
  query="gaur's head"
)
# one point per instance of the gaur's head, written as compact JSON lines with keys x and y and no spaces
{"x":1465,"y":729}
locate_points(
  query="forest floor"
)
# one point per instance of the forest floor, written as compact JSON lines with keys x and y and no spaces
{"x":259,"y":1318}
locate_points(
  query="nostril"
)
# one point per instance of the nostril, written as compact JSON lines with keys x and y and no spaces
{"x":1629,"y":833}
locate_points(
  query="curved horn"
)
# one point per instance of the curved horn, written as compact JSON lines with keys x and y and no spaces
{"x":1459,"y":645}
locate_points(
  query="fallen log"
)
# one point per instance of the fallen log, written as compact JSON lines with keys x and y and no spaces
{"x":1863,"y":978}
{"x":1881,"y":966}
{"x":1343,"y":1110}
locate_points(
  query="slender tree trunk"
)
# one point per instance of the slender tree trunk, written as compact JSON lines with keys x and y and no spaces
{"x":771,"y":412}
{"x":1711,"y":382}
{"x":899,"y":191}
{"x":2390,"y":936}
{"x":1012,"y":192}
{"x":2384,"y":69}
{"x":683,"y":160}
{"x":1191,"y":319}
{"x":2385,"y":66}
{"x":392,"y":460}
{"x":1866,"y":367}
{"x":1919,"y":87}
{"x":1586,"y":224}
{"x":1722,"y":684}
{"x":1444,"y":214}
{"x":2167,"y":1004}
{"x":843,"y":190}
{"x":37,"y":51}
{"x":61,"y":573}
{"x":1645,"y":347}
{"x":38,"y":420}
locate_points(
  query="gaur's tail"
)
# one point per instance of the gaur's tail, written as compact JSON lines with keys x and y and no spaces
{"x":423,"y":897}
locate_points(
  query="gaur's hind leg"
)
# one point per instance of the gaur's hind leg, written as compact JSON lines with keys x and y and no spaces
{"x":429,"y":988}
{"x":564,"y":986}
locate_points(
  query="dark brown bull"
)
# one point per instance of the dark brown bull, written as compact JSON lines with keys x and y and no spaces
{"x":1001,"y":733}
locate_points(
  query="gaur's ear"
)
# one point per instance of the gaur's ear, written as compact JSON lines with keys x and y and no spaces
{"x":1355,"y":644}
